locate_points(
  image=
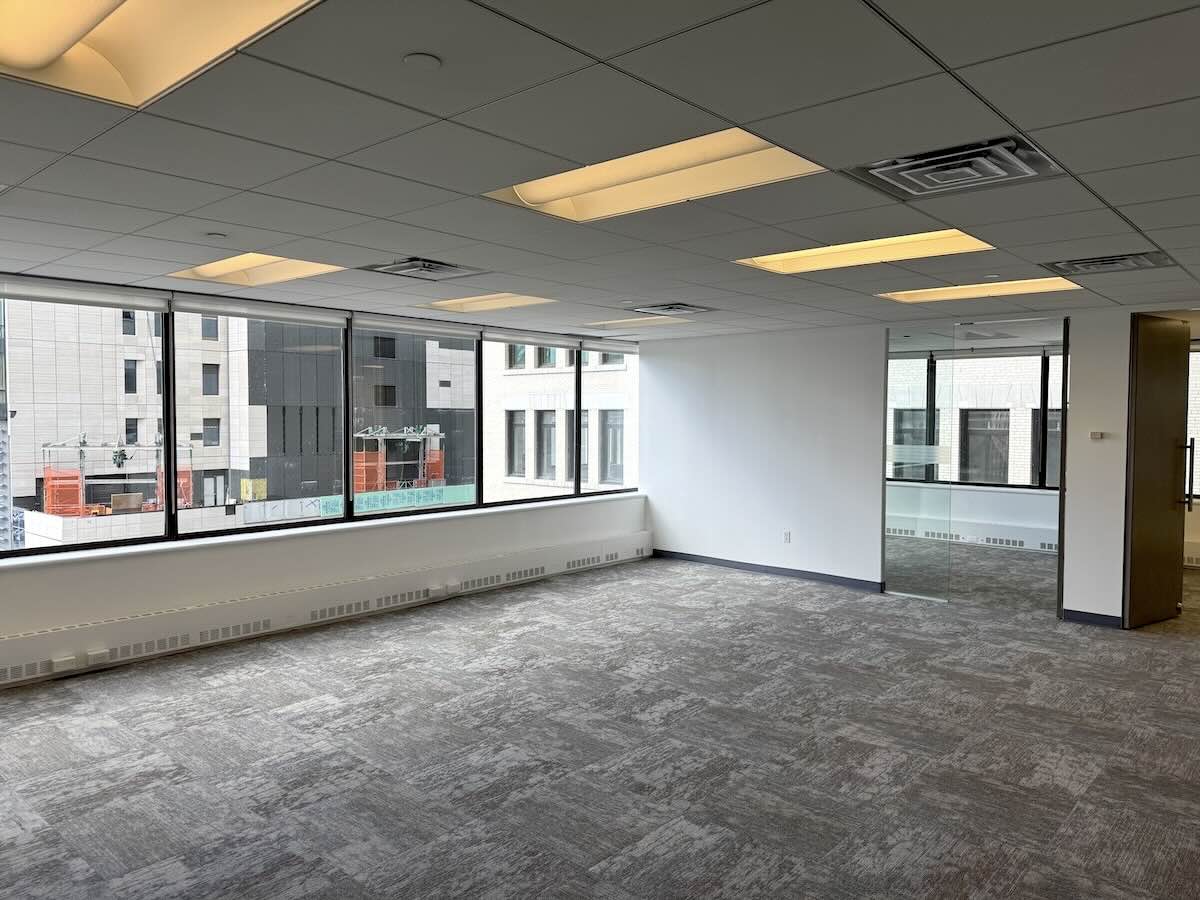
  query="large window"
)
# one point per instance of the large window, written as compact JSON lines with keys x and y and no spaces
{"x":610,"y":393}
{"x":612,"y":446}
{"x":546,"y":441}
{"x":414,"y":420}
{"x":910,"y":428}
{"x":514,"y":443}
{"x":275,"y":389}
{"x":983,"y":445}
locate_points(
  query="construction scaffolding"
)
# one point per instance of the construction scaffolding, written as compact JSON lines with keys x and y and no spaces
{"x":69,"y":467}
{"x":389,"y":460}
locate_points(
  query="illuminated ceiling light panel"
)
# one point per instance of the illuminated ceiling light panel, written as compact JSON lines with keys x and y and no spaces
{"x":129,"y":51}
{"x":255,"y":270}
{"x":699,"y":167}
{"x":488,"y":302}
{"x":990,"y":289}
{"x":862,"y":253}
{"x":638,"y":321}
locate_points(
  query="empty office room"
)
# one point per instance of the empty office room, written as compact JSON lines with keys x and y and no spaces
{"x":678,"y":449}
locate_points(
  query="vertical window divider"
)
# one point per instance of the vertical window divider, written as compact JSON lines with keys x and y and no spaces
{"x":577,"y":423}
{"x":170,"y":450}
{"x":1043,"y":419}
{"x":348,"y":419}
{"x":931,"y":412}
{"x":479,"y":408}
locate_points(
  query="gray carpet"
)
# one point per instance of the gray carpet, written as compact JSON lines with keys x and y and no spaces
{"x":661,"y":729}
{"x":976,"y":572}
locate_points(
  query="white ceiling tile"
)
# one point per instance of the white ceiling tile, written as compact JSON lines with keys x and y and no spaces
{"x":329,"y":252}
{"x":1090,"y":223}
{"x":1164,"y":213}
{"x":1084,"y":248}
{"x":720,"y":273}
{"x":1056,"y":300}
{"x":1152,"y":181}
{"x":93,"y":259}
{"x":185,"y":285}
{"x":498,"y":258}
{"x":97,"y":180}
{"x":53,"y":120}
{"x":192,"y":254}
{"x":81,"y":273}
{"x":279,"y":214}
{"x":593,"y":115}
{"x":800,"y":198}
{"x":484,"y":56}
{"x":983,"y":270}
{"x":865,"y":224}
{"x":51,"y":235}
{"x":9,"y":264}
{"x":780,"y":56}
{"x":951,"y":266}
{"x":855,"y":277}
{"x":651,"y":259}
{"x":1144,"y":64}
{"x":605,"y":29}
{"x":1001,"y":29}
{"x":35,"y":253}
{"x":1155,"y":293}
{"x":900,"y":120}
{"x":460,"y":158}
{"x":674,"y":223}
{"x":1174,"y":238}
{"x":1007,"y":204}
{"x":287,"y":108}
{"x":209,"y":233}
{"x":1126,"y":139}
{"x":372,"y":193}
{"x":17,"y":163}
{"x":747,"y":242}
{"x":22,"y":203}
{"x":174,"y":148}
{"x":396,"y":239}
{"x":1133,"y":279}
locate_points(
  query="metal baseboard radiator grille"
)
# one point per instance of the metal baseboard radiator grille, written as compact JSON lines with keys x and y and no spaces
{"x":33,"y":655}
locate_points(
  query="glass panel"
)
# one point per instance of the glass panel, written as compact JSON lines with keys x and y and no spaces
{"x":526,"y":449}
{"x":414,"y":421}
{"x":610,"y":424}
{"x":270,"y":395}
{"x":81,"y":456}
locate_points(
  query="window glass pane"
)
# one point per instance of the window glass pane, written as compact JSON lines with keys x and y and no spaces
{"x":514,"y":356}
{"x":610,"y":430}
{"x":525,"y":443}
{"x":983,"y":445}
{"x":545,"y":357}
{"x":210,"y":328}
{"x":74,"y":466}
{"x":414,"y":421}
{"x":271,"y":394}
{"x":910,"y":453}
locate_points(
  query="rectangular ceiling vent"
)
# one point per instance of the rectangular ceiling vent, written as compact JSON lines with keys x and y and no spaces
{"x":424,"y":269}
{"x":973,"y":335}
{"x":672,"y":309}
{"x":985,"y":164}
{"x":1104,"y":265}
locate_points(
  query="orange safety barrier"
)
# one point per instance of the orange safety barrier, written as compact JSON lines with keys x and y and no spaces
{"x":435,"y":465}
{"x":369,"y":471}
{"x":62,"y":491}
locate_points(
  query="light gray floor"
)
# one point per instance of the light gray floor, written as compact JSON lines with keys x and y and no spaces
{"x":660,"y":729}
{"x":979,"y":573}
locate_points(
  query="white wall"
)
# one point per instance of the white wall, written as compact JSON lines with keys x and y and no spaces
{"x":976,"y":512}
{"x":745,"y":437}
{"x":1094,"y":543}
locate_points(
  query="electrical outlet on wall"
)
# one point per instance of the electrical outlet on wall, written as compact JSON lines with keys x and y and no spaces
{"x":787,"y":537}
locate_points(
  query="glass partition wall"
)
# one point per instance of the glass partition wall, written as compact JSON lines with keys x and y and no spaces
{"x":974,"y":471}
{"x":265,"y":415}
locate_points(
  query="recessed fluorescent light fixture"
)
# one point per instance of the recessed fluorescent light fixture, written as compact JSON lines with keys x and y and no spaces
{"x":255,"y":270}
{"x":488,"y":302}
{"x":129,"y":51}
{"x":715,"y":163}
{"x":987,"y":289}
{"x":862,"y":253}
{"x":638,"y":321}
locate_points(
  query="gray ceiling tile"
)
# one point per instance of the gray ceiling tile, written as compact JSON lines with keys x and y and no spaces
{"x":865,"y":225}
{"x":94,"y":259}
{"x":395,"y":238}
{"x":363,"y":44}
{"x":1152,"y":181}
{"x":161,"y":145}
{"x":747,"y":242}
{"x":1090,"y":223}
{"x":209,"y":233}
{"x":780,"y":56}
{"x":290,"y":216}
{"x":15,"y":249}
{"x":53,"y":120}
{"x":329,"y":252}
{"x":1165,"y":213}
{"x":1006,"y":204}
{"x":159,"y":249}
{"x":1084,"y":248}
{"x":1144,"y":64}
{"x":82,"y":273}
{"x":17,"y":163}
{"x":800,"y":198}
{"x":901,"y":120}
{"x":1175,"y":238}
{"x":51,"y":235}
{"x":356,"y":189}
{"x":280,"y":106}
{"x":23,"y":203}
{"x":1126,"y":139}
{"x":80,"y":177}
{"x":459,"y":158}
{"x":673,"y":223}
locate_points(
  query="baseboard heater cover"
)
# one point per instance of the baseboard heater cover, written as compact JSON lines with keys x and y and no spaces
{"x":875,"y":587}
{"x":70,"y":649}
{"x":1089,"y":618}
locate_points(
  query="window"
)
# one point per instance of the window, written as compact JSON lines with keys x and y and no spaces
{"x":584,"y":447}
{"x":269,"y":415}
{"x":983,"y":445}
{"x":385,"y":395}
{"x":612,"y":359}
{"x":514,"y":430}
{"x":585,"y":358}
{"x":444,"y":383}
{"x":569,"y":435}
{"x":383,"y":347}
{"x":158,"y":375}
{"x":128,"y":324}
{"x":131,"y":376}
{"x":515,"y":356}
{"x":544,"y":439}
{"x":157,"y":317}
{"x":612,"y":446}
{"x":1053,"y":444}
{"x":210,"y":328}
{"x":571,"y":357}
{"x":212,"y":432}
{"x":909,"y":430}
{"x":131,"y":431}
{"x":545,"y":357}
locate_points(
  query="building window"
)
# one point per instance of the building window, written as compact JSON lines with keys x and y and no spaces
{"x":1053,"y":444}
{"x":383,"y":347}
{"x":210,"y":328}
{"x":444,"y":382}
{"x":612,"y":359}
{"x":585,"y":358}
{"x":158,"y":375}
{"x":514,"y":442}
{"x":909,"y":430}
{"x":131,"y":431}
{"x":983,"y":446}
{"x":544,"y":439}
{"x":514,"y":356}
{"x":545,"y":357}
{"x":572,"y":355}
{"x":210,"y":377}
{"x":385,"y":395}
{"x":128,"y":324}
{"x":131,"y":376}
{"x":569,"y":436}
{"x":612,"y":446}
{"x":157,"y":318}
{"x":212,"y":432}
{"x":583,"y":444}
